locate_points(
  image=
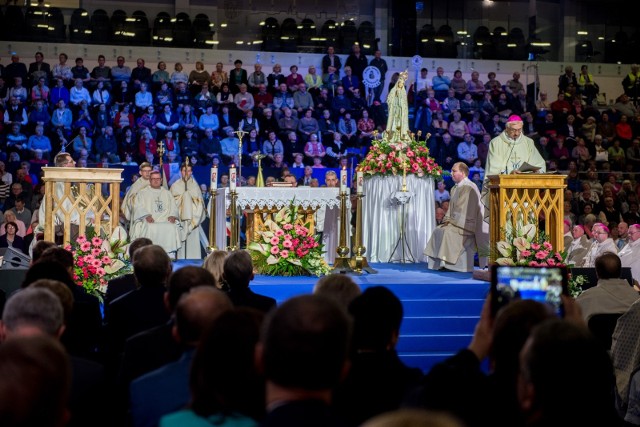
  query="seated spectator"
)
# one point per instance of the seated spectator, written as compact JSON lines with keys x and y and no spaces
{"x":204,"y":98}
{"x":366,"y":128}
{"x":350,"y":81}
{"x":249,"y":123}
{"x":251,"y":147}
{"x":101,"y":95}
{"x":286,"y":360}
{"x":198,"y":77}
{"x":314,"y":148}
{"x":187,"y":120}
{"x":287,"y":123}
{"x":348,"y":129}
{"x":302,"y":99}
{"x":62,"y":118}
{"x":293,"y":79}
{"x":124,"y":119}
{"x":160,"y":76}
{"x":458,"y":128}
{"x":327,"y":126}
{"x":166,"y":389}
{"x":218,"y":77}
{"x":450,"y":104}
{"x":441,"y":193}
{"x":237,"y":274}
{"x":224,"y":382}
{"x":313,"y":81}
{"x":262,"y":98}
{"x":79,"y":93}
{"x":167,"y":120}
{"x":182,"y":95}
{"x":475,"y":87}
{"x":475,"y":126}
{"x":623,"y":130}
{"x":178,"y":76}
{"x":40,"y":92}
{"x":275,"y":79}
{"x":237,"y":76}
{"x":229,"y":147}
{"x":39,"y":141}
{"x":209,"y":147}
{"x":336,"y":150}
{"x":143,"y":99}
{"x":458,"y":84}
{"x":147,"y":145}
{"x":243,"y":99}
{"x":256,"y":78}
{"x":440,"y":84}
{"x":340,"y":103}
{"x":164,"y":95}
{"x":148,"y":121}
{"x":81,"y":142}
{"x":586,"y":385}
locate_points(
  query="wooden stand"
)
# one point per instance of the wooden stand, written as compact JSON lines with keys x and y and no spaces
{"x":527,"y":199}
{"x":74,"y":197}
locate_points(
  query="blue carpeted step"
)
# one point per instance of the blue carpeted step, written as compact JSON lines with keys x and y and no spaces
{"x":432,"y":343}
{"x":442,"y":307}
{"x":438,"y":325}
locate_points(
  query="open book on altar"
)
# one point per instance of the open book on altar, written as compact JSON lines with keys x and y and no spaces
{"x":527,"y":168}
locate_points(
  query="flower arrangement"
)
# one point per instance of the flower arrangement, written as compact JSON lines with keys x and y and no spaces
{"x":286,"y":248}
{"x":528,"y":247}
{"x":393,"y":158}
{"x":96,"y":261}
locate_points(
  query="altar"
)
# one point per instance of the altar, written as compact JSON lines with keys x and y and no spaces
{"x":382,"y":217}
{"x":258,"y":202}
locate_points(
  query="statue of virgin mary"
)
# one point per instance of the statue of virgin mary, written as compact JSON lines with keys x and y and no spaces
{"x":398,"y":120}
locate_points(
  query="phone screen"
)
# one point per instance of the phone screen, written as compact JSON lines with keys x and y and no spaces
{"x":542,"y":284}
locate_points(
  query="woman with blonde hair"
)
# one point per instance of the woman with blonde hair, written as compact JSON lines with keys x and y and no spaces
{"x":214,"y":264}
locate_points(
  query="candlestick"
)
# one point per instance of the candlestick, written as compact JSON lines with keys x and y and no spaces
{"x":359,"y":182}
{"x":343,"y":180}
{"x":232,"y":178}
{"x":404,"y":176}
{"x":214,"y":178}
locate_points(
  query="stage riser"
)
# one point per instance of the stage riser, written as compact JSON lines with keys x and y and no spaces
{"x":442,"y":307}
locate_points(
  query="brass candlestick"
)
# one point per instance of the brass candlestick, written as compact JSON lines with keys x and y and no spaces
{"x":240,"y":134}
{"x":260,"y":178}
{"x":213,"y":222}
{"x":341,"y":263}
{"x":234,"y":242}
{"x":359,"y":261}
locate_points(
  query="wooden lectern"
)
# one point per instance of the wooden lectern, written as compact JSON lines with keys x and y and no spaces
{"x":525,"y":199}
{"x":74,"y":199}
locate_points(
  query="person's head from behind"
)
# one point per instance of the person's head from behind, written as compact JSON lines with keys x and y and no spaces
{"x":151,"y":266}
{"x":377,"y":315}
{"x":339,"y":287}
{"x":511,"y":329}
{"x":608,"y":266}
{"x":223,"y":375}
{"x":238,"y":270}
{"x":409,"y":417}
{"x":32,"y":311}
{"x":196,"y":311}
{"x":36,"y":381}
{"x":214,"y":264}
{"x":48,"y":269}
{"x":138,"y":243}
{"x":59,"y":255}
{"x":563,"y":366}
{"x":39,"y":249}
{"x":183,"y":280}
{"x":304,"y":344}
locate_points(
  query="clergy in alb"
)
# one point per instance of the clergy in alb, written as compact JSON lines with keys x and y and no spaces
{"x":508,"y":153}
{"x":630,"y":253}
{"x":188,"y":197}
{"x":453,"y":243}
{"x":142,"y":182}
{"x":155,"y":215}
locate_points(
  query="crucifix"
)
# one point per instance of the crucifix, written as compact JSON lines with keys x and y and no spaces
{"x":240,"y":134}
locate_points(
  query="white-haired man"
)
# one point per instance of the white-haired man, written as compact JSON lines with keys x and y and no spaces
{"x":601,"y":244}
{"x":630,"y":253}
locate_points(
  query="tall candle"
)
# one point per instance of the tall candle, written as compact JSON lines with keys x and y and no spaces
{"x":232,"y":178}
{"x":214,"y":178}
{"x":359,"y":182}
{"x":343,"y":180}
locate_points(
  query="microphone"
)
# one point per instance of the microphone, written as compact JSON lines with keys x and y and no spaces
{"x":506,"y":165}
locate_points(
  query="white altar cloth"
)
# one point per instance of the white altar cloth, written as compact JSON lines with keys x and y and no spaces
{"x":381,"y":217}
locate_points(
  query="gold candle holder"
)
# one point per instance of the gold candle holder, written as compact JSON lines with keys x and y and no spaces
{"x":260,"y":178}
{"x":212,"y":222}
{"x":234,"y":242}
{"x":358,"y":260}
{"x":341,"y":263}
{"x":240,"y":134}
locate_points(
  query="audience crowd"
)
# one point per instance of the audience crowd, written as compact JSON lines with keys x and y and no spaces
{"x":198,"y":347}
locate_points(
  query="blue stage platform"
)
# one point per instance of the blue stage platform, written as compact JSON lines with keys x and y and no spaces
{"x":440,"y":308}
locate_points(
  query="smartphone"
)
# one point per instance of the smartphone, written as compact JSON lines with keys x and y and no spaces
{"x":542,"y":284}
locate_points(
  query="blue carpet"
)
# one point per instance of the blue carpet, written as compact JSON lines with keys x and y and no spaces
{"x":440,"y":308}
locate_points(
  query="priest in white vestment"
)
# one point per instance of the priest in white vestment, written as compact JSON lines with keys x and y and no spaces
{"x":139,"y":184}
{"x":188,"y":197}
{"x":508,"y":153}
{"x":155,"y":215}
{"x":577,"y":249}
{"x":453,"y":243}
{"x":328,"y":222}
{"x":601,"y":244}
{"x":630,"y":253}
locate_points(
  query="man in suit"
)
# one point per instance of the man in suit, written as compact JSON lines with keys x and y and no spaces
{"x":127,"y":283}
{"x":144,"y":307}
{"x":238,"y":272}
{"x":303,"y":353}
{"x":166,"y":389}
{"x":39,"y":69}
{"x":38,"y":311}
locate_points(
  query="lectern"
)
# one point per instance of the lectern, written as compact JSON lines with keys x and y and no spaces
{"x":519,"y":199}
